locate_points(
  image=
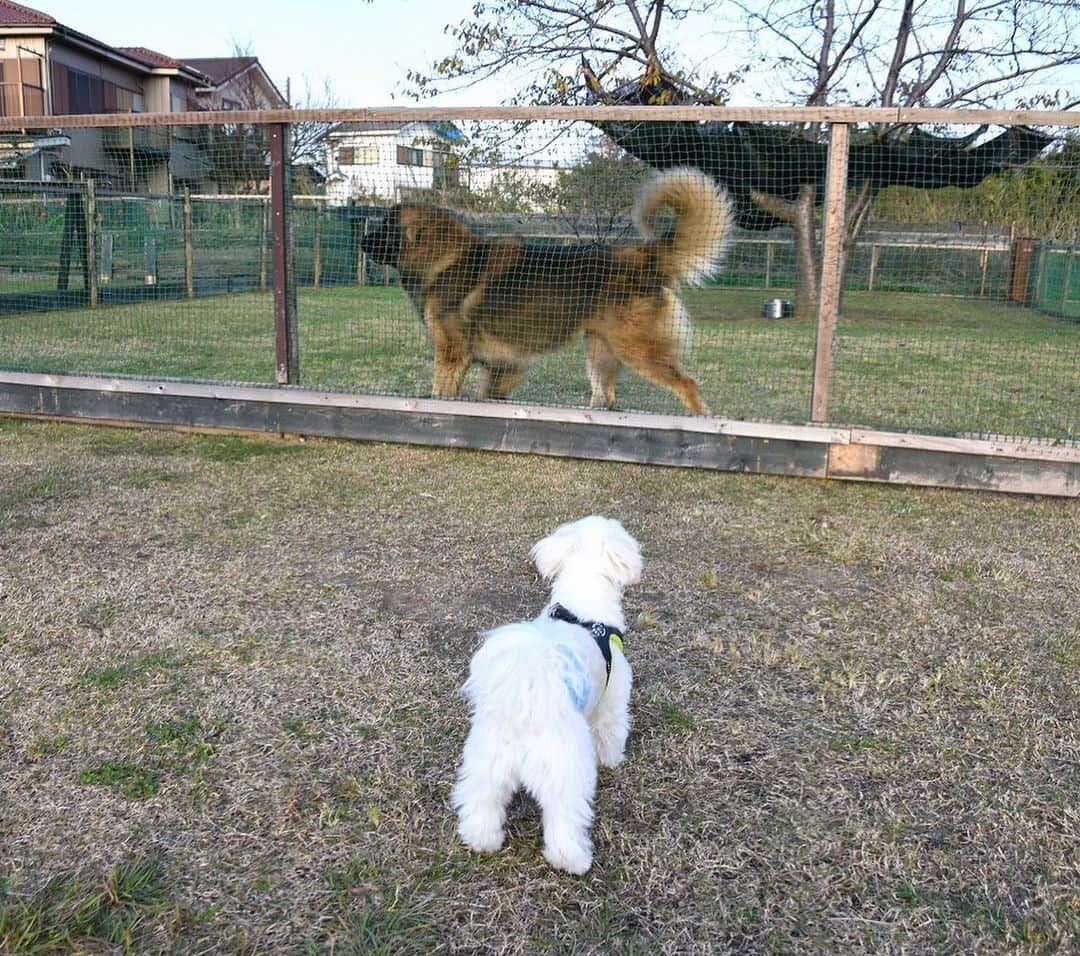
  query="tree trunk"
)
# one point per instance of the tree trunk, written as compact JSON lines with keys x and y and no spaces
{"x":858,"y":214}
{"x":800,"y":214}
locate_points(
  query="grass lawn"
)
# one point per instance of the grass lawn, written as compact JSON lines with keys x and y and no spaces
{"x":902,"y":361}
{"x":229,"y":719}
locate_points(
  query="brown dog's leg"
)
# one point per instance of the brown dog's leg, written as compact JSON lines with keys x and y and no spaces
{"x":603,"y":366}
{"x":451,"y":364}
{"x":502,"y":380}
{"x":658,"y":361}
{"x":452,"y":356}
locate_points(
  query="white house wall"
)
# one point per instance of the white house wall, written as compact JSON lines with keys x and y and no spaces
{"x":386,"y":179}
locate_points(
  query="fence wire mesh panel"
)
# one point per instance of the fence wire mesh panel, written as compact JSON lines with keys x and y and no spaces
{"x":653,"y":266}
{"x":114,"y":261}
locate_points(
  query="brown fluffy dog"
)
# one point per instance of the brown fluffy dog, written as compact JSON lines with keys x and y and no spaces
{"x":502,"y":303}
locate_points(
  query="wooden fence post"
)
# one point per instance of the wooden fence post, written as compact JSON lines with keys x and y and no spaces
{"x":189,"y":252}
{"x":317,"y":268}
{"x":285,"y":338}
{"x":264,"y":231}
{"x":874,"y":253}
{"x":150,"y":265}
{"x":1066,"y":278}
{"x":832,"y":242}
{"x":90,"y":272}
{"x":361,"y":256}
{"x":67,"y":241}
{"x":105,"y":262}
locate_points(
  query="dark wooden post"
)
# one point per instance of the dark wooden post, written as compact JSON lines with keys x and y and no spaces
{"x":72,"y":212}
{"x":105,"y":260}
{"x":264,"y":232}
{"x":832,"y":251}
{"x":150,"y":265}
{"x":317,"y":267}
{"x":90,"y":270}
{"x":189,"y":252}
{"x":1066,"y":278}
{"x":359,"y":227}
{"x":286,"y":345}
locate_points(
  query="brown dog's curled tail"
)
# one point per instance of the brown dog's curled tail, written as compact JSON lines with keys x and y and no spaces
{"x":702,"y":211}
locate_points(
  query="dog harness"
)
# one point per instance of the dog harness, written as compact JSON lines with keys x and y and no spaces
{"x":604,"y":634}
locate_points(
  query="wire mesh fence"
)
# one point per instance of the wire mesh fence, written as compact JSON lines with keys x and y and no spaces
{"x":474,"y":258}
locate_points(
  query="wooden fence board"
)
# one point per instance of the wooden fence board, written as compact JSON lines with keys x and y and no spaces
{"x":659,"y":440}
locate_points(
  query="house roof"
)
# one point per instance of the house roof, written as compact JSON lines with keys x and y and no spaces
{"x":149,"y":57}
{"x":224,"y":69}
{"x":213,"y":71}
{"x":16,"y":15}
{"x":449,"y":130}
{"x":221,"y":69}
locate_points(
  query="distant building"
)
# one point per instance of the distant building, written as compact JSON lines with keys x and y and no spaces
{"x":234,"y":83}
{"x":392,"y":161}
{"x":49,"y":69}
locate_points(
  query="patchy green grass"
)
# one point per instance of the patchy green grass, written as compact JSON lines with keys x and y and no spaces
{"x":854,"y":706}
{"x":133,"y":781}
{"x":124,"y":910}
{"x":903,"y":361}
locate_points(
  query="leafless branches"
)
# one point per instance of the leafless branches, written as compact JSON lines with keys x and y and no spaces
{"x":857,"y":52}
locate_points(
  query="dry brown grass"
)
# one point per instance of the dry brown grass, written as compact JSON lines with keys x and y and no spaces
{"x":237,"y":659}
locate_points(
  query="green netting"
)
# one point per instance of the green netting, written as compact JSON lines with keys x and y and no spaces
{"x":956,"y":318}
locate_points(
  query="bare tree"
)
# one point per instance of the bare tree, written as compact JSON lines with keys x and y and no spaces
{"x":544,"y":41}
{"x":939,"y":53}
{"x":857,"y":52}
{"x":933,"y":53}
{"x":239,"y":153}
{"x":307,"y":146}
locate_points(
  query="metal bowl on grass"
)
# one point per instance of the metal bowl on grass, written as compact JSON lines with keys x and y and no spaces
{"x":777,"y":308}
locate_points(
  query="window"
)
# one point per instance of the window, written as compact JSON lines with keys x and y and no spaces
{"x":22,"y":91}
{"x":76,"y":92}
{"x":408,"y":156}
{"x":117,"y":99}
{"x":357,"y":155}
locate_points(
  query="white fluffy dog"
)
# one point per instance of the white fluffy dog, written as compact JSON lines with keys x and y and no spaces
{"x":549,"y":697}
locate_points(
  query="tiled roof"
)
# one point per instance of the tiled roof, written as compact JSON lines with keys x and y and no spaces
{"x":149,"y":57}
{"x":221,"y":69}
{"x":16,"y":15}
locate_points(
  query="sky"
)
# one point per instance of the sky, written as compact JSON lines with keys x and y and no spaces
{"x":364,"y":49}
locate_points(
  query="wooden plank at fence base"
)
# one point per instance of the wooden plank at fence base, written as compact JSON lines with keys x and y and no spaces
{"x":661,"y":440}
{"x":274,"y":412}
{"x":954,"y":469}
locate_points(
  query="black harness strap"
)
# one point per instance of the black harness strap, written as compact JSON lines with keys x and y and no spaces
{"x":603,"y":634}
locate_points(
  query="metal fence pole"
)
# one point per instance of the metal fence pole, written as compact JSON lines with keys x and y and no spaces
{"x":286,"y":345}
{"x":832,"y":248}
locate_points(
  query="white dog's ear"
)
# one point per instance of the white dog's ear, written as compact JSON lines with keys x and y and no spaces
{"x":549,"y":553}
{"x":623,"y":555}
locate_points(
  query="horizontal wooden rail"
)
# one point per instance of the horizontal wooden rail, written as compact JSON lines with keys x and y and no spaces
{"x":719,"y":444}
{"x":805,"y":114}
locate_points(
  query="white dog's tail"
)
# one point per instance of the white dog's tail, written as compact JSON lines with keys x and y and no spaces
{"x":702,"y":211}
